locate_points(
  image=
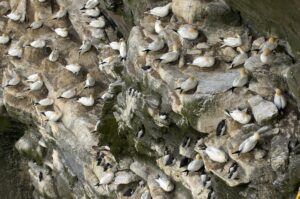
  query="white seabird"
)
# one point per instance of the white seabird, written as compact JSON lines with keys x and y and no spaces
{"x":170,"y":56}
{"x":156,"y":45}
{"x":62,"y":32}
{"x":95,"y":12}
{"x":37,"y":85}
{"x":233,"y":171}
{"x":270,"y":44}
{"x":107,"y":177}
{"x":68,"y":94}
{"x":98,"y":23}
{"x":188,"y":32}
{"x":74,"y":68}
{"x":241,"y":117}
{"x":216,"y":154}
{"x":61,"y":13}
{"x":115,"y":45}
{"x":33,"y":77}
{"x":4,"y":39}
{"x":39,"y":43}
{"x":123,"y":49}
{"x":44,"y":102}
{"x":204,"y":61}
{"x":164,"y":183}
{"x":232,"y":41}
{"x":158,"y":27}
{"x":15,"y":80}
{"x":14,"y":16}
{"x":187,"y":85}
{"x":90,"y":4}
{"x":54,"y":55}
{"x":248,"y":144}
{"x":241,"y":80}
{"x":279,"y":100}
{"x":267,"y":56}
{"x":87,"y":101}
{"x":161,"y":11}
{"x":52,"y":116}
{"x":90,"y":81}
{"x":196,"y":164}
{"x":239,"y":59}
{"x":37,"y":23}
{"x":85,"y":47}
{"x":15,"y":51}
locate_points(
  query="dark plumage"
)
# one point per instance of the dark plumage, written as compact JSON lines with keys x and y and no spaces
{"x":186,"y":142}
{"x":40,"y":176}
{"x":128,"y":193}
{"x":184,"y":162}
{"x":232,"y":170}
{"x":221,"y":128}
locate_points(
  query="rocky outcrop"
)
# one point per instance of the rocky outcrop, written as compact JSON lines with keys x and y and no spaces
{"x":118,"y":146}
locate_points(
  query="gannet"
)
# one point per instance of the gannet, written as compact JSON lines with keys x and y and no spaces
{"x":42,"y":1}
{"x":42,"y":143}
{"x":267,"y":56}
{"x":115,"y":45}
{"x":14,"y":16}
{"x":187,"y":85}
{"x":98,"y":23}
{"x":87,"y":101}
{"x":85,"y":47}
{"x":167,"y":158}
{"x":123,"y":49}
{"x":141,"y":132}
{"x":221,"y":128}
{"x":239,"y":59}
{"x":241,"y":117}
{"x":15,"y":80}
{"x":241,"y":80}
{"x":52,"y":116}
{"x":170,"y":56}
{"x":146,"y":195}
{"x":188,"y":32}
{"x":156,"y":45}
{"x":74,"y":68}
{"x":4,"y":39}
{"x":248,"y":144}
{"x":279,"y":99}
{"x":186,"y":142}
{"x":91,"y":12}
{"x":257,"y":43}
{"x":128,"y":193}
{"x":61,"y":13}
{"x":62,"y":32}
{"x":161,"y":11}
{"x":54,"y":55}
{"x":98,"y":33}
{"x":196,"y":164}
{"x":39,"y":43}
{"x":107,"y":60}
{"x":270,"y":44}
{"x":68,"y":94}
{"x":107,"y":177}
{"x":37,"y":85}
{"x":45,"y":102}
{"x":158,"y":27}
{"x":164,"y":183}
{"x":163,"y":116}
{"x":32,"y":78}
{"x":232,"y":41}
{"x":204,"y":61}
{"x":90,"y":81}
{"x":233,"y":171}
{"x":15,"y":51}
{"x":107,"y":96}
{"x":90,"y":4}
{"x":216,"y":154}
{"x":37,"y":23}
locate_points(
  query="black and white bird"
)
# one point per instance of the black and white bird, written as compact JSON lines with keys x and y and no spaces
{"x":168,"y":158}
{"x":141,"y":132}
{"x":248,"y":144}
{"x":40,"y":176}
{"x":233,"y":171}
{"x":221,"y":128}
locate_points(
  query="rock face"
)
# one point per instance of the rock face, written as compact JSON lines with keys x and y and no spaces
{"x":129,"y":141}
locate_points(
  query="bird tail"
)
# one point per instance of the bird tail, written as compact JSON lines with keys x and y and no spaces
{"x":146,"y":51}
{"x":186,"y":171}
{"x":159,"y":59}
{"x":237,"y":152}
{"x":226,"y":112}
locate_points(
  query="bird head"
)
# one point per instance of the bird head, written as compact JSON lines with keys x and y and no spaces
{"x":278,"y":91}
{"x":272,"y":39}
{"x":192,"y":78}
{"x":237,"y":35}
{"x":191,"y":30}
{"x":256,"y":135}
{"x":242,"y":72}
{"x":198,"y":157}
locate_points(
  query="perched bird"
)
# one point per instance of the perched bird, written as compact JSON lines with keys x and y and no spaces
{"x":241,"y":116}
{"x":32,"y":78}
{"x":90,"y":81}
{"x":233,"y":171}
{"x":123,"y":49}
{"x":270,"y":44}
{"x":40,"y":176}
{"x":87,"y":101}
{"x":167,"y":158}
{"x":184,"y":162}
{"x":62,"y":32}
{"x":188,"y":32}
{"x":36,"y":24}
{"x":187,"y":85}
{"x":267,"y":56}
{"x":95,"y":12}
{"x":98,"y":23}
{"x":54,"y":55}
{"x":62,"y":12}
{"x":44,"y":102}
{"x":52,"y":116}
{"x":15,"y":80}
{"x":221,"y":128}
{"x":170,"y":57}
{"x":161,"y":11}
{"x":39,"y":43}
{"x":241,"y":80}
{"x":96,"y":126}
{"x":195,"y":165}
{"x":4,"y":39}
{"x":156,"y":45}
{"x":107,"y":177}
{"x":90,"y":4}
{"x":239,"y":59}
{"x":37,"y":85}
{"x":186,"y":142}
{"x":68,"y":94}
{"x":141,"y":132}
{"x":203,"y":179}
{"x":158,"y":27}
{"x":215,"y":154}
{"x":165,"y":183}
{"x":107,"y":96}
{"x":128,"y":193}
{"x":14,"y":16}
{"x":232,"y":41}
{"x":204,"y":61}
{"x":15,"y":51}
{"x":248,"y":144}
{"x":115,"y":45}
{"x":74,"y":68}
{"x":279,"y":100}
{"x":85,"y":47}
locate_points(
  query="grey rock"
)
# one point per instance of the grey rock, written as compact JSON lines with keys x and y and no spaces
{"x":279,"y":153}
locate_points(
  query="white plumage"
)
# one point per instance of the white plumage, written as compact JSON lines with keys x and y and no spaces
{"x":39,"y":43}
{"x":14,"y":16}
{"x":195,"y":165}
{"x":62,"y":32}
{"x":98,"y":23}
{"x":52,"y":116}
{"x":60,"y":14}
{"x":249,"y":143}
{"x":232,"y":41}
{"x":54,"y":55}
{"x":36,"y":24}
{"x":156,"y":45}
{"x":241,"y":80}
{"x":74,"y":68}
{"x":68,"y":94}
{"x":107,"y":178}
{"x":279,"y":100}
{"x":85,"y":47}
{"x":15,"y":80}
{"x":216,"y":154}
{"x":158,"y":27}
{"x":188,"y":31}
{"x":165,"y":184}
{"x":266,"y":57}
{"x":87,"y":101}
{"x":187,"y":85}
{"x":90,"y":81}
{"x":170,"y":56}
{"x":161,"y":11}
{"x":45,"y":102}
{"x":115,"y":45}
{"x":204,"y":61}
{"x":239,"y":116}
{"x":123,"y":49}
{"x":90,"y":4}
{"x":4,"y":39}
{"x":91,"y":12}
{"x":32,"y":78}
{"x":15,"y":51}
{"x":239,"y":59}
{"x":35,"y":86}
